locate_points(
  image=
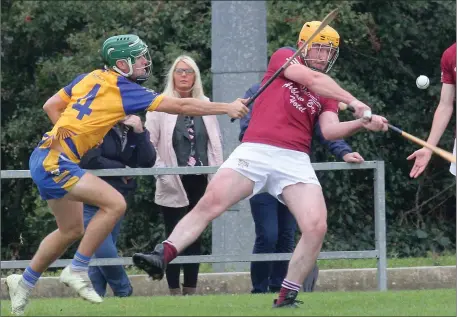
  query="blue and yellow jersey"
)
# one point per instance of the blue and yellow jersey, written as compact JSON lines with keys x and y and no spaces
{"x":96,"y":102}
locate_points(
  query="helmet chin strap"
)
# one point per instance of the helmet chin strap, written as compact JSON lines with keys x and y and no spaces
{"x":139,"y":80}
{"x":129,"y":62}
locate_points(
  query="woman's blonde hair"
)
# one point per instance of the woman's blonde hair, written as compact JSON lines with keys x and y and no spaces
{"x":197,"y":88}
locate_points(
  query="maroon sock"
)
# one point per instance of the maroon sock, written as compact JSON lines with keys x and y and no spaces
{"x":282,"y":294}
{"x":286,"y":287}
{"x":169,"y":251}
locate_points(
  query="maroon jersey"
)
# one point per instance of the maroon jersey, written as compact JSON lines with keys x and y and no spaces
{"x":284,"y":114}
{"x":448,"y":66}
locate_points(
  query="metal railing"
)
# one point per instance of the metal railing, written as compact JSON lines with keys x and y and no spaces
{"x":379,"y":211}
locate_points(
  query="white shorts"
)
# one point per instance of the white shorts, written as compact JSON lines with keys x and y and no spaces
{"x":271,"y":168}
{"x":452,"y":167}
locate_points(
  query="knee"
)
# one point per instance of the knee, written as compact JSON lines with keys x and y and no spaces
{"x":121,"y":208}
{"x":117,"y":206}
{"x":73,"y":234}
{"x":317,"y":228}
{"x":321,"y":228}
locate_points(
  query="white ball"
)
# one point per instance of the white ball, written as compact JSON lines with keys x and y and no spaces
{"x":422,"y":82}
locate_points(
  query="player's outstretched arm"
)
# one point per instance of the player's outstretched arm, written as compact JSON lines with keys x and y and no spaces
{"x":54,"y":107}
{"x":323,"y":85}
{"x":197,"y":107}
{"x":443,"y":114}
{"x":333,"y":129}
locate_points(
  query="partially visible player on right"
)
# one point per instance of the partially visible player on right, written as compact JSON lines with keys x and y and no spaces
{"x":443,"y":114}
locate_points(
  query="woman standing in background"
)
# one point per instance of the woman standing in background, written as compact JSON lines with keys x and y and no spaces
{"x":183,"y":141}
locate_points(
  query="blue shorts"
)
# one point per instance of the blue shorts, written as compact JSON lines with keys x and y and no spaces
{"x":53,"y":172}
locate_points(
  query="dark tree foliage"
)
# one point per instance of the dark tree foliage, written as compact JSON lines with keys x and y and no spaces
{"x":385,"y":46}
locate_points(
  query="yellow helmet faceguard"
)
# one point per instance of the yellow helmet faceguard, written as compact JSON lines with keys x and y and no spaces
{"x":328,"y":40}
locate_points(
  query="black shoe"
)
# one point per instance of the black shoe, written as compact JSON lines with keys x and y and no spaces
{"x":153,"y":263}
{"x":289,"y":301}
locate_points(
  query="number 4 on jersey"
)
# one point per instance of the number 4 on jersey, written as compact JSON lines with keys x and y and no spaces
{"x":84,"y":109}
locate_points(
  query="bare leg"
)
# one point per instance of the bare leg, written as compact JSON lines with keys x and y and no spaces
{"x":68,"y":212}
{"x":95,"y":191}
{"x":69,"y":218}
{"x":306,"y":202}
{"x":70,"y":225}
{"x":225,"y":189}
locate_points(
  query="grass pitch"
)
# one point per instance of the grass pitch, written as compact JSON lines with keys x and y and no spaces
{"x":440,"y":302}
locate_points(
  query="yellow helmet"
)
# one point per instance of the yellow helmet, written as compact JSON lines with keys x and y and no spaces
{"x":328,"y":39}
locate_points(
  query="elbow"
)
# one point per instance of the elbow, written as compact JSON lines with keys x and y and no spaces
{"x":47,"y":107}
{"x":51,"y":106}
{"x":324,"y":133}
{"x":328,"y":135}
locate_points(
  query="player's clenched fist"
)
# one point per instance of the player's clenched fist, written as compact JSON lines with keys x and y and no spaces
{"x":377,"y":123}
{"x":360,"y":108}
{"x":238,"y":109}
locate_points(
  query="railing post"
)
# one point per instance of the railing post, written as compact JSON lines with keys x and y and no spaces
{"x":380,"y":224}
{"x":235,"y":68}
